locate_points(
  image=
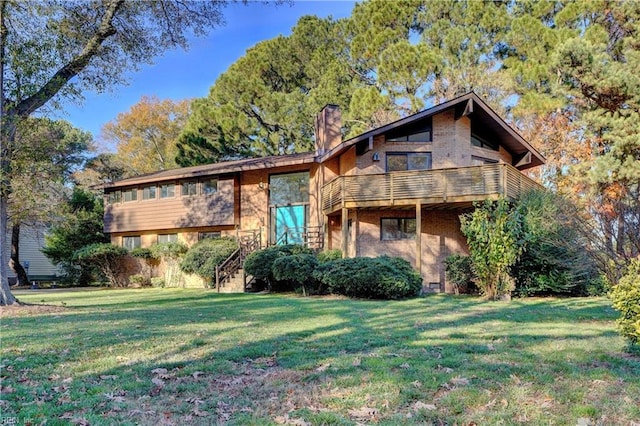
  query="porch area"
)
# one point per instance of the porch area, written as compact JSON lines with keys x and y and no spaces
{"x":425,"y":187}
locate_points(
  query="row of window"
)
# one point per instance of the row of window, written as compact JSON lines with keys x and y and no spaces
{"x":134,"y":241}
{"x":166,"y":190}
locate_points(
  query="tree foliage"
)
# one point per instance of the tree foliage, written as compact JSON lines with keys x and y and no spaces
{"x":203,"y":257}
{"x":626,"y":299}
{"x":107,"y":258}
{"x":494,"y":232}
{"x":145,"y":137}
{"x":80,"y":225}
{"x":55,"y":50}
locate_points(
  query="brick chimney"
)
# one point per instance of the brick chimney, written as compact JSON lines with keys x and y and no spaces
{"x":328,"y":128}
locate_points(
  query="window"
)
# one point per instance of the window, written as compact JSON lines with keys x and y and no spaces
{"x":478,"y":161}
{"x":114,"y":197}
{"x":205,"y":235}
{"x":413,"y":134}
{"x":131,"y":242}
{"x":189,"y":188}
{"x":397,"y":229}
{"x":408,"y":161}
{"x":129,"y":195}
{"x":210,"y":186}
{"x":167,"y":190}
{"x":167,"y":238}
{"x":149,"y":192}
{"x":290,"y":188}
{"x":483,"y":143}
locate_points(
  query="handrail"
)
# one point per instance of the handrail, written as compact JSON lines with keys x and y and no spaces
{"x":431,"y":186}
{"x":247,"y":243}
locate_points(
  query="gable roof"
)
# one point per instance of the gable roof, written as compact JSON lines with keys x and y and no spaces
{"x":469,"y":104}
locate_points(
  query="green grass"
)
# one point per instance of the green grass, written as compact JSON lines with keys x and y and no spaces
{"x":172,"y":356}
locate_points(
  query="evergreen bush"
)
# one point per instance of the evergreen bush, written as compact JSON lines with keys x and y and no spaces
{"x":626,"y":299}
{"x":260,"y":264}
{"x":107,"y":258}
{"x":204,"y":256}
{"x":297,"y":269}
{"x":374,"y":278}
{"x":460,"y":273}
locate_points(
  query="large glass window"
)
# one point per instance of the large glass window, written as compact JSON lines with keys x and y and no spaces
{"x":149,"y":192}
{"x":483,"y":143}
{"x":290,"y":188}
{"x":211,"y":234}
{"x":413,"y":134}
{"x":397,"y":229}
{"x":167,"y":190}
{"x":131,"y":242}
{"x":408,"y":161}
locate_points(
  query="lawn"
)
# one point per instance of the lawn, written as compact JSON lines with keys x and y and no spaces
{"x":174,"y":356}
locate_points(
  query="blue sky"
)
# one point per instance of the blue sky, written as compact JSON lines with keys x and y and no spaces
{"x":182,"y":74}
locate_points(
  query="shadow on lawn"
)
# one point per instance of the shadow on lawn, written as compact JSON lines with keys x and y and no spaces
{"x":397,"y":343}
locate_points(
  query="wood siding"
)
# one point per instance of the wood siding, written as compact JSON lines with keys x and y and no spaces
{"x":191,"y":211}
{"x":465,"y":184}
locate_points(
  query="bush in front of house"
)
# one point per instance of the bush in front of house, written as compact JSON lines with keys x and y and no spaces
{"x":626,"y":299}
{"x":459,"y":271}
{"x":170,"y":253}
{"x":107,"y":258}
{"x":372,"y":278}
{"x":329,"y":255}
{"x":297,"y":269}
{"x":204,"y":256}
{"x":260,"y":264}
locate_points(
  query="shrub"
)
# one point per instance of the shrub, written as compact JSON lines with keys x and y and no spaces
{"x":203,"y":257}
{"x":170,"y":253}
{"x":260,"y":263}
{"x":460,"y":273}
{"x":142,"y":253}
{"x":493,"y":232}
{"x":157,"y":282}
{"x":107,"y":258}
{"x":626,"y":299}
{"x":376,"y":278}
{"x":139,"y":280}
{"x":555,"y":259}
{"x":298,"y":270}
{"x":329,"y":255}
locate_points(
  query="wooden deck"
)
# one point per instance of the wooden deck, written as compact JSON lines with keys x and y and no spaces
{"x":441,"y":186}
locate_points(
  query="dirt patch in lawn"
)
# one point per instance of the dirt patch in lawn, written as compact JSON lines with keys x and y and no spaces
{"x":21,"y":310}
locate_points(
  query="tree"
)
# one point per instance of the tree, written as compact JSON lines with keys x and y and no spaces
{"x":81,"y":224}
{"x":263,"y":103}
{"x":145,"y":137}
{"x":50,"y":51}
{"x":49,"y":152}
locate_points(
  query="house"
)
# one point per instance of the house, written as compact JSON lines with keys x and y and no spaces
{"x":37,"y":266}
{"x":396,"y":190}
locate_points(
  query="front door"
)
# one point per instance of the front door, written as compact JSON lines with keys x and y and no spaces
{"x":289,"y":224}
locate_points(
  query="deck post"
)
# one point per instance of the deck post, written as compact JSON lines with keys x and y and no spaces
{"x":418,"y":265}
{"x":345,"y":232}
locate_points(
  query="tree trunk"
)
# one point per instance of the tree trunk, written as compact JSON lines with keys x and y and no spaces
{"x":14,"y":262}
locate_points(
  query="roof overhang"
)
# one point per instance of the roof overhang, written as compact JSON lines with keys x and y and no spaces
{"x":470,"y":105}
{"x":226,"y":167}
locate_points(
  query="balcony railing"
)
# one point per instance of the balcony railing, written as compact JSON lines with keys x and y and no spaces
{"x":463,"y":184}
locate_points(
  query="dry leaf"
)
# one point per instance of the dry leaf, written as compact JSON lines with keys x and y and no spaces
{"x":159,"y":371}
{"x":158,"y":382}
{"x":405,"y":366}
{"x":419,"y":405}
{"x":357,"y":362}
{"x":323,"y":367}
{"x":108,"y":377}
{"x":199,"y":413}
{"x":197,"y":374}
{"x":363,"y":413}
{"x":459,"y":381}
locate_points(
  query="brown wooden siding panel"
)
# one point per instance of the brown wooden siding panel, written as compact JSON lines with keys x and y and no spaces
{"x":177,"y":212}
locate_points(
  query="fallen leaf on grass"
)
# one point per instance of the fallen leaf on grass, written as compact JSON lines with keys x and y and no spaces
{"x":6,"y":389}
{"x":159,"y":371}
{"x":108,"y":377}
{"x":158,"y":382}
{"x":459,"y":381}
{"x":323,"y":367}
{"x":363,"y":413}
{"x":357,"y":362}
{"x":419,"y":405}
{"x":199,"y":413}
{"x":405,"y":366}
{"x":197,"y":374}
